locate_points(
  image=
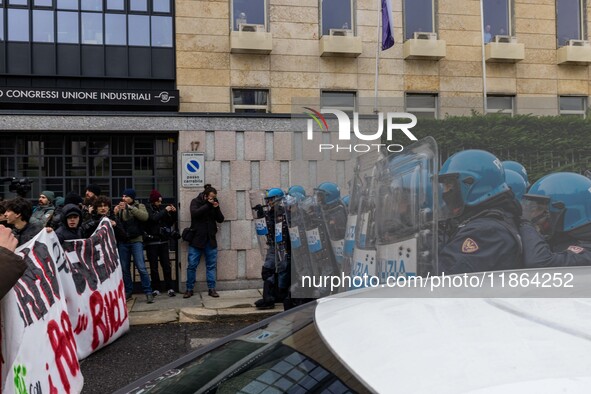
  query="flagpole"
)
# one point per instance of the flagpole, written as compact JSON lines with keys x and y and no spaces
{"x":375,"y":95}
{"x":485,"y":104}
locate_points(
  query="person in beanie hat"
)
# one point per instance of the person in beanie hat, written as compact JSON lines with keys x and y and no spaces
{"x":132,"y":214}
{"x":43,"y":212}
{"x":158,"y":233}
{"x":92,"y":190}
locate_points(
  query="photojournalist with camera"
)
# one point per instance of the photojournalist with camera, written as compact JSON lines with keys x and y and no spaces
{"x":205,"y":214}
{"x":159,"y":230}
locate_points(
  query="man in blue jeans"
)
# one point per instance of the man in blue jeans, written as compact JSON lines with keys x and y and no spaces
{"x":131,"y":213}
{"x":205,"y":214}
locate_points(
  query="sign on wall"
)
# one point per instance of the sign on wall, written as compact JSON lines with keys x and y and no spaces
{"x":193,"y":169}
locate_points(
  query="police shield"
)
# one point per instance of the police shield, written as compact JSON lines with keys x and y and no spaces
{"x":363,"y":261}
{"x":405,"y":192}
{"x":281,"y":236}
{"x":335,"y":219}
{"x":300,"y":256}
{"x":261,"y":219}
{"x":362,"y":176}
{"x":321,"y":254}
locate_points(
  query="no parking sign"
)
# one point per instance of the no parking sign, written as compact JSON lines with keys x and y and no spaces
{"x":193,"y":169}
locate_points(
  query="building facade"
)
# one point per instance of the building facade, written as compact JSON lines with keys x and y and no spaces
{"x":114,"y":91}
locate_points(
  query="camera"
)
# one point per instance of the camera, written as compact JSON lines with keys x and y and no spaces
{"x":175,"y":235}
{"x":20,"y":186}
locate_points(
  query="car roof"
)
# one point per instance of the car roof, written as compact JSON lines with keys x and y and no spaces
{"x":450,"y":345}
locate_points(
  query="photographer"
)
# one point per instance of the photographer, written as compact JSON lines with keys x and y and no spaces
{"x":158,"y":231}
{"x":205,"y":212}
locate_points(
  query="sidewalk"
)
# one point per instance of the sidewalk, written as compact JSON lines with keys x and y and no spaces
{"x":198,"y":308}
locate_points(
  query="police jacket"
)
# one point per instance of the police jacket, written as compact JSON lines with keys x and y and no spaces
{"x":158,"y":228}
{"x":203,"y":220}
{"x":486,"y":240}
{"x":538,"y":254}
{"x":132,"y":218}
{"x":65,"y":233}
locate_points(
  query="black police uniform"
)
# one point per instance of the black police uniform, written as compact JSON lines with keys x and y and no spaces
{"x":565,"y":251}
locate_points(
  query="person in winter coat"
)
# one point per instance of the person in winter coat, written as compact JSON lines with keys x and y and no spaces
{"x":205,"y":214}
{"x":43,"y":212}
{"x":70,"y":228}
{"x":132,"y":214}
{"x":17,"y":214}
{"x":158,"y":233}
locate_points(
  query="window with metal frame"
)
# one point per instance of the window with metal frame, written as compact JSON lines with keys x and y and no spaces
{"x":249,"y":15}
{"x":497,"y":19}
{"x":570,"y":21}
{"x":501,"y":105}
{"x":573,"y":106}
{"x":250,"y":100}
{"x":336,"y":17}
{"x":419,"y":16}
{"x":345,"y":101}
{"x":422,"y":105}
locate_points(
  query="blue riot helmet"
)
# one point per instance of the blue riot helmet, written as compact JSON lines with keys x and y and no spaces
{"x":296,"y":189}
{"x":470,"y":178}
{"x":516,"y":183}
{"x":518,"y":168}
{"x":559,"y":202}
{"x":346,"y":200}
{"x":273,"y":194}
{"x":328,"y":193}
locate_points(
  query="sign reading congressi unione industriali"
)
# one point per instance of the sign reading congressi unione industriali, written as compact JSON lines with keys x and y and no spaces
{"x":26,"y":95}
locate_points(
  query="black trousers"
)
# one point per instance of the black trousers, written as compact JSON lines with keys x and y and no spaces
{"x":156,"y":252}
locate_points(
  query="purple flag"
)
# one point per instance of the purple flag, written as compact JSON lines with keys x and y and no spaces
{"x":387,"y":25}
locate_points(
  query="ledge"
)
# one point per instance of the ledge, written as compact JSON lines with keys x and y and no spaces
{"x":573,"y":55}
{"x":415,"y":48}
{"x":251,"y":42}
{"x":504,"y":52}
{"x":348,"y":46}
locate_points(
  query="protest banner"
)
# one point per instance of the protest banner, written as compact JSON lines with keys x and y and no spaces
{"x":69,"y":303}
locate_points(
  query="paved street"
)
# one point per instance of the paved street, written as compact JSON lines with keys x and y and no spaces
{"x":165,"y":330}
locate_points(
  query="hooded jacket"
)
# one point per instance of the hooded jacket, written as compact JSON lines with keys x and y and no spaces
{"x":64,"y":232}
{"x":203,"y":220}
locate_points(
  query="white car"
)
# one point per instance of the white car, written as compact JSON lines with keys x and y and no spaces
{"x":407,"y":340}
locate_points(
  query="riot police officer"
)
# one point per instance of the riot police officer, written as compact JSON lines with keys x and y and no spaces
{"x":481,"y":215}
{"x":558,"y":207}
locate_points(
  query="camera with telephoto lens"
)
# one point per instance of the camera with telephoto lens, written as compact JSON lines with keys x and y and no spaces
{"x":20,"y":186}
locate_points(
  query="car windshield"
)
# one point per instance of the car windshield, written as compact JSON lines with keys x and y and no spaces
{"x":284,"y":356}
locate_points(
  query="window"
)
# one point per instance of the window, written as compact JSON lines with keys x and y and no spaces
{"x":162,"y":6}
{"x":573,"y":106}
{"x":569,"y":21}
{"x":115,"y":5}
{"x":92,"y":28}
{"x":138,"y":5}
{"x":336,"y":14}
{"x":248,"y":12}
{"x":43,"y":3}
{"x":500,"y":105}
{"x":1,"y":24}
{"x":115,"y":29}
{"x":250,"y":100}
{"x":497,"y":19}
{"x":423,"y":106}
{"x":43,"y":26}
{"x":67,"y":27}
{"x":67,"y":4}
{"x":139,"y":30}
{"x":161,"y":31}
{"x":418,"y":17}
{"x":18,"y":24}
{"x":345,"y":101}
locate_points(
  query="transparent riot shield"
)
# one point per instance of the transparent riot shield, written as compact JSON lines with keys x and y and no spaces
{"x":260,"y":215}
{"x":321,"y":255}
{"x":300,"y":256}
{"x":405,"y":192}
{"x":282,"y":243}
{"x":335,"y":219}
{"x":362,"y":176}
{"x":363,"y":262}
